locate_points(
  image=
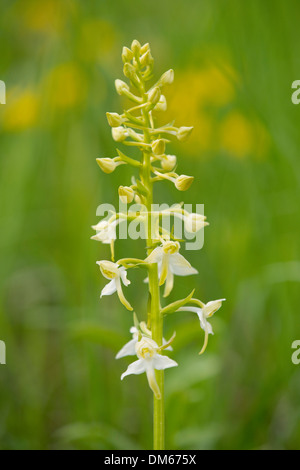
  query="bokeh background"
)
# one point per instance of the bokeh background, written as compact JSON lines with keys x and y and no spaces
{"x":234,"y":64}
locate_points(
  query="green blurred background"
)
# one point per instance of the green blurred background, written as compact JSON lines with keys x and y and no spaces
{"x":234,"y":64}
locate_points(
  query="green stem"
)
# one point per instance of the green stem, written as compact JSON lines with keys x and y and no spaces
{"x":155,"y":317}
{"x":157,"y":333}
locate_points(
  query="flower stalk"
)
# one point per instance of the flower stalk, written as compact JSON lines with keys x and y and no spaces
{"x":136,"y":127}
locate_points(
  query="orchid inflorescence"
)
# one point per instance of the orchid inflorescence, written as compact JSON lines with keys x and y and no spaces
{"x":136,"y":127}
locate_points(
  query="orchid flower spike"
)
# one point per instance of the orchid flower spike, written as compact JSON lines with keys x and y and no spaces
{"x":204,"y":312}
{"x":148,"y":360}
{"x":170,"y":262}
{"x":115,"y":273}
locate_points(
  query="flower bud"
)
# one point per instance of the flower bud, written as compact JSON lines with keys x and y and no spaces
{"x":183,"y":182}
{"x":126,"y":194}
{"x":154,"y":95}
{"x":158,"y":147}
{"x":137,"y":199}
{"x":119,"y":133}
{"x":183,"y":133}
{"x":162,"y":104}
{"x":127,"y":55}
{"x":135,"y":47}
{"x":121,"y":86}
{"x":146,"y":59}
{"x":129,"y":70}
{"x":114,"y":119}
{"x":107,"y":165}
{"x":167,"y":78}
{"x":168,"y":162}
{"x":145,"y":48}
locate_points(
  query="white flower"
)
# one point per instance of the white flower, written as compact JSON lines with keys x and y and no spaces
{"x":205,"y":312}
{"x":129,"y":348}
{"x":106,"y":231}
{"x":148,"y":360}
{"x":170,"y":262}
{"x":115,"y":273}
{"x":193,"y":222}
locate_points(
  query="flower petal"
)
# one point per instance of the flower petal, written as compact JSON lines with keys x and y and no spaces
{"x":212,"y":306}
{"x":180,"y":266}
{"x":205,"y":325}
{"x":121,"y":295}
{"x":189,"y":309}
{"x":102,"y":237}
{"x":136,"y":368}
{"x":163,"y":362}
{"x":169,"y":348}
{"x":152,"y":381}
{"x":205,"y":342}
{"x":169,"y":283}
{"x":128,"y":349}
{"x":123,"y":275}
{"x":155,"y":256}
{"x":164,"y":268}
{"x":133,"y":330}
{"x":102,"y":225}
{"x":109,"y":289}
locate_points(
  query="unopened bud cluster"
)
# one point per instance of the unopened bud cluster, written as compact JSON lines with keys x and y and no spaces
{"x":130,"y":127}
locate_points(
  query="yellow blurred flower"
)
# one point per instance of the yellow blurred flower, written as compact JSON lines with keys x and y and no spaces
{"x":199,"y":97}
{"x":42,"y":17}
{"x":241,"y":137}
{"x":66,"y":86}
{"x":21,"y":110}
{"x":97,"y":38}
{"x":192,"y":94}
